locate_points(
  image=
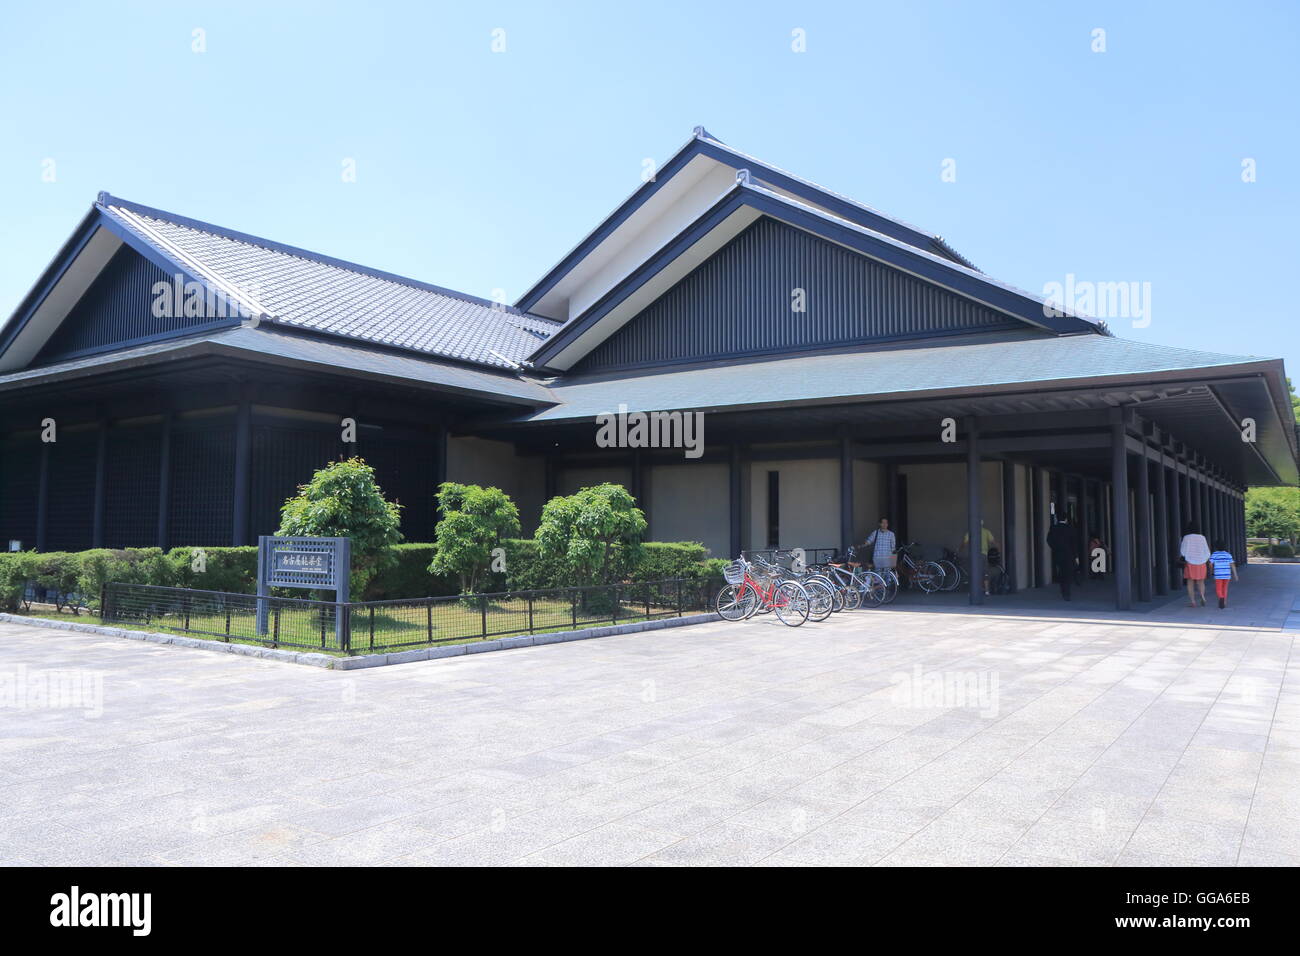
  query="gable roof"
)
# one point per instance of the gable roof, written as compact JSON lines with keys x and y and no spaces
{"x":285,"y":285}
{"x":735,"y":209}
{"x":274,"y":347}
{"x":700,"y":153}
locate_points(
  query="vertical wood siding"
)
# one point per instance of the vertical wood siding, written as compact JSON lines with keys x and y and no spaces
{"x":739,"y":302}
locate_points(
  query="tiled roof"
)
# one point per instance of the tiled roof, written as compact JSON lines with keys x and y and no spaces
{"x":979,"y":361}
{"x":314,"y":292}
{"x":316,"y":352}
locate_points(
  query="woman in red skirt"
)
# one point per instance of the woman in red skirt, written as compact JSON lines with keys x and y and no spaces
{"x":1196,"y":552}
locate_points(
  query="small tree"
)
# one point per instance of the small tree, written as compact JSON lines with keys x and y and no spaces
{"x":474,"y":522}
{"x":343,"y":500}
{"x":1272,"y":513}
{"x":594,"y":536}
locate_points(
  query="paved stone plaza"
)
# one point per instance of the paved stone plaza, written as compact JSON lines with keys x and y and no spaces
{"x":1037,"y":736}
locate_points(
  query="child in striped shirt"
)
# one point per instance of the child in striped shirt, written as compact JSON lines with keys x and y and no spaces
{"x":1225,"y":568}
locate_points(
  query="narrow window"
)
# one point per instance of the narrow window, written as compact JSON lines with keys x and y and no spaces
{"x":774,"y":509}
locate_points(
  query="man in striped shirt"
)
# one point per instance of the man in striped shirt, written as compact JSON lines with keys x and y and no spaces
{"x":1225,"y":569}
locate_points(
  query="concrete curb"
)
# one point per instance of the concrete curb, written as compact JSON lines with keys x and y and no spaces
{"x":364,"y":660}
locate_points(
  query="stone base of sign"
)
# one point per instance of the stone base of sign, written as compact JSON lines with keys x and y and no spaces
{"x":362,"y":660}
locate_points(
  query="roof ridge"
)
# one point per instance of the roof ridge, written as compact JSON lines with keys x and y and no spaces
{"x":106,"y":200}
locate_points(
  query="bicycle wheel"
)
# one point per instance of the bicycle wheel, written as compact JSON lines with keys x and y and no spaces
{"x":999,"y":583}
{"x":892,"y":584}
{"x":951,"y":576}
{"x":852,"y":597}
{"x":929,"y":577}
{"x":735,"y":602}
{"x":821,"y":599}
{"x":790,"y":602}
{"x":837,"y":599}
{"x":874,"y":589}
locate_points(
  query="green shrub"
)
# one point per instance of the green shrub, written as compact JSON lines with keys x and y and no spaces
{"x":525,"y":569}
{"x":661,"y":560}
{"x":593,"y":536}
{"x":406,"y":575}
{"x":343,"y":500}
{"x":56,"y":573}
{"x":98,"y":567}
{"x":215,"y":569}
{"x":16,"y":569}
{"x":409,"y":577}
{"x":474,"y":522}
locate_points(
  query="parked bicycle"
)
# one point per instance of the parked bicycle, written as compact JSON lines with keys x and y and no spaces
{"x":954,"y":575}
{"x":860,"y":586}
{"x":823,"y":597}
{"x":749,"y":589}
{"x":926,"y":575}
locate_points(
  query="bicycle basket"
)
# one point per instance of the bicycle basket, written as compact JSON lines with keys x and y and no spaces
{"x":734,"y":573}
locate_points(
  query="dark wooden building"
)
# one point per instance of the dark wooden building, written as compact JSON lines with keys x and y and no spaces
{"x":845,"y":364}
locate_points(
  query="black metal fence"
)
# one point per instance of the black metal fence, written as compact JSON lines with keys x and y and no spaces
{"x":782,"y":557}
{"x":380,"y":626}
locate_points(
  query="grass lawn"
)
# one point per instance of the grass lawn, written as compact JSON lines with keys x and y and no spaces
{"x":374,"y":629}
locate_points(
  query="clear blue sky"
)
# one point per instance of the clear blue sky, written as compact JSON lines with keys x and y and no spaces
{"x":478,"y":170}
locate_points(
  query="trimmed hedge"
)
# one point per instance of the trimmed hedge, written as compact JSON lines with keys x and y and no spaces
{"x":1281,"y":550}
{"x":76,"y":579}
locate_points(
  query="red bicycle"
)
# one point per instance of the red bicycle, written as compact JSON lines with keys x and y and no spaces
{"x":747,"y":591}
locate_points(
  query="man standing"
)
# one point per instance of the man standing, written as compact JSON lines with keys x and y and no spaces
{"x":882,"y":544}
{"x":1064,"y":542}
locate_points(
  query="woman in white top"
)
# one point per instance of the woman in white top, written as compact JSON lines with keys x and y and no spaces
{"x":1195,"y":551}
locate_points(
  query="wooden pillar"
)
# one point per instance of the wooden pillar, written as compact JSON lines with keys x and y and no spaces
{"x":1086,"y":519}
{"x":1009,"y":556}
{"x":243,"y":468}
{"x":897,"y":521}
{"x":1119,"y":482}
{"x":438,"y":439}
{"x":1198,"y":499}
{"x":1143,"y":525}
{"x":734,"y":495}
{"x":641,"y":487}
{"x":552,"y":478}
{"x":1220,"y":515}
{"x":165,"y":480}
{"x":1081,"y":523}
{"x":1162,"y":527}
{"x":846,"y":495}
{"x":973,"y":516}
{"x":43,"y":497}
{"x":1036,"y":526}
{"x":1176,"y":515}
{"x":101,"y":490}
{"x":1242,"y":535}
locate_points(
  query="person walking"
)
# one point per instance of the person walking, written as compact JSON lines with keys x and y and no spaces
{"x":1195,"y":552}
{"x":987,"y":544}
{"x":1064,"y":542}
{"x":1225,"y":569}
{"x":882,"y":544}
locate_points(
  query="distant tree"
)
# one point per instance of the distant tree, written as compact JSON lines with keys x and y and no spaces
{"x":594,"y":536}
{"x":343,"y":500}
{"x":1273,"y":513}
{"x":1295,"y":400}
{"x":474,"y":522}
